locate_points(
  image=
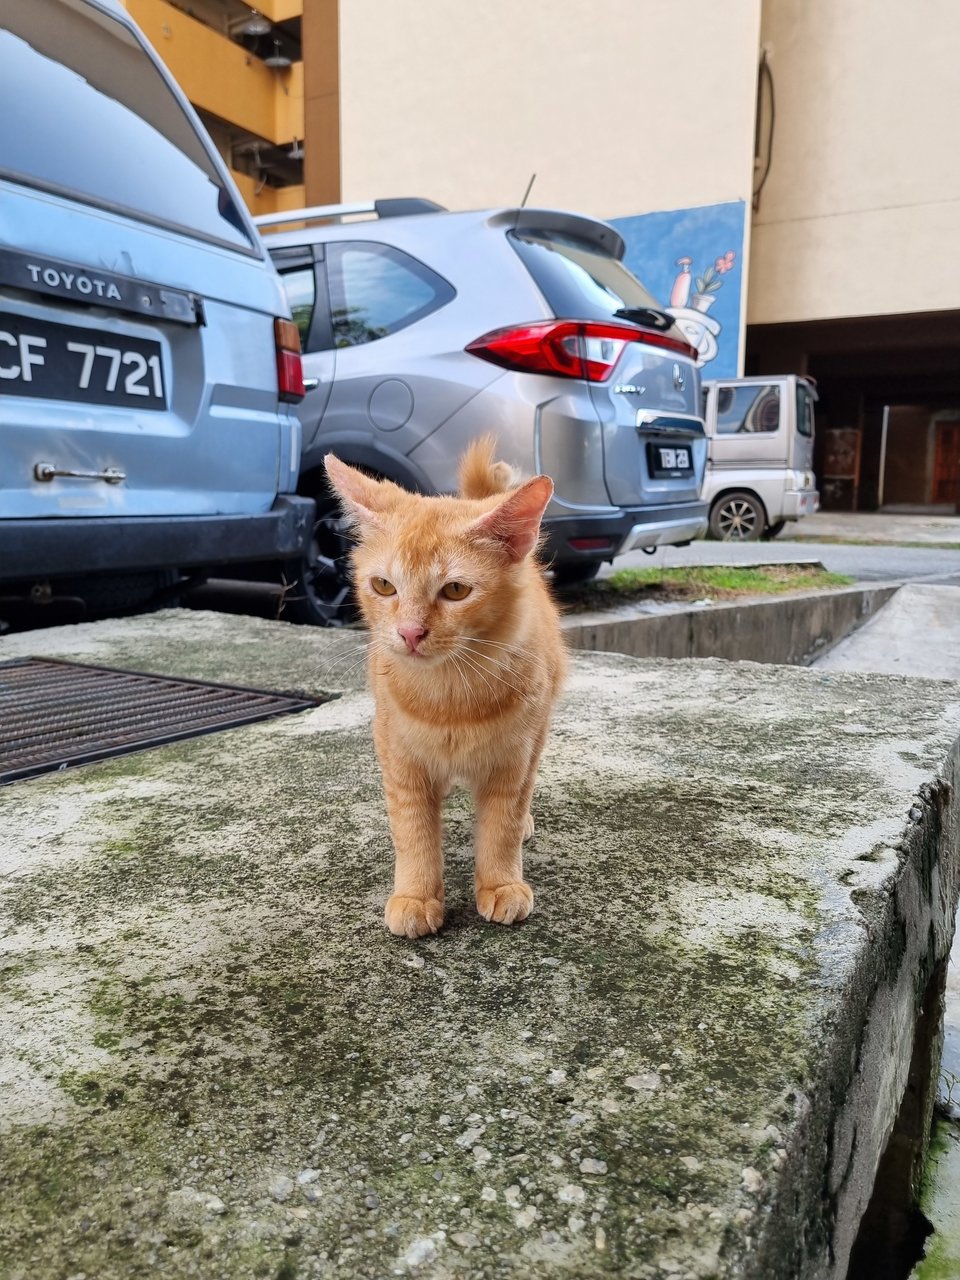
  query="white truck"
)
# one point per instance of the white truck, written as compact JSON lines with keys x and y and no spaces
{"x":759,"y":469}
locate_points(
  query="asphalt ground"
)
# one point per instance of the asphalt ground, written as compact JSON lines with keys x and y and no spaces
{"x":867,"y":546}
{"x":880,"y":562}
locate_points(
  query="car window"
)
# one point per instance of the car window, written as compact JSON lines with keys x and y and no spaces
{"x":804,"y":410}
{"x":96,"y":120}
{"x":744,"y":409}
{"x":577,"y":278}
{"x":300,"y":284}
{"x":376,"y":290}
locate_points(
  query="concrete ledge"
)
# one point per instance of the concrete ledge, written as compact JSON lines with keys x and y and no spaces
{"x":216,"y":1062}
{"x":793,"y":629}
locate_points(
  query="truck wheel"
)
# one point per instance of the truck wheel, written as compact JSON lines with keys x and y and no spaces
{"x":317,"y":589}
{"x":772,"y":530}
{"x":737,"y":517}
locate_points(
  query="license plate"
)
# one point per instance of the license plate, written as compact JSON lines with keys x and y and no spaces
{"x":63,"y":362}
{"x":670,"y":460}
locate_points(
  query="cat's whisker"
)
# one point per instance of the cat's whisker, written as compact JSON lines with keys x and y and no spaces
{"x":511,"y":662}
{"x":352,"y":657}
{"x":483,"y":672}
{"x":521,"y":650}
{"x":346,"y":665}
{"x":496,"y":665}
{"x":353,"y":651}
{"x":466,"y":682}
{"x":478,"y":671}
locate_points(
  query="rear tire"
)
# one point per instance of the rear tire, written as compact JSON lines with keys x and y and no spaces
{"x":111,"y":594}
{"x":772,"y":530}
{"x":317,"y":587}
{"x":737,"y":517}
{"x":567,"y":575}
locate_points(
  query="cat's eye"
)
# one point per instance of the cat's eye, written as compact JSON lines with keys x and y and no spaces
{"x":455,"y":590}
{"x":382,"y":587}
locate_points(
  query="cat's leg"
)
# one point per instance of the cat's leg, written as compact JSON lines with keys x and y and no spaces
{"x":504,"y":821}
{"x":413,"y":807}
{"x":529,"y":826}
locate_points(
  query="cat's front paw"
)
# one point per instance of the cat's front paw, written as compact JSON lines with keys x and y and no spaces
{"x":505,"y":903}
{"x":413,"y":917}
{"x":529,"y":827}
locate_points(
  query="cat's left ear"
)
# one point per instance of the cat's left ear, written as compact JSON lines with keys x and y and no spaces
{"x":364,"y":498}
{"x":515,"y":522}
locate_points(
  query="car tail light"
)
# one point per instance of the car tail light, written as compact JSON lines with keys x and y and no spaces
{"x":289,"y":365}
{"x":590,"y":544}
{"x":586,"y":349}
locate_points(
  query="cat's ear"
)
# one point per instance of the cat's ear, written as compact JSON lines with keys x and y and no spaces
{"x":515,"y":522}
{"x":364,"y":498}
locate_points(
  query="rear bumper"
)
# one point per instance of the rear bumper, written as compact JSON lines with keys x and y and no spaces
{"x":800,"y":502}
{"x":64,"y":547}
{"x":623,"y":530}
{"x":664,"y":533}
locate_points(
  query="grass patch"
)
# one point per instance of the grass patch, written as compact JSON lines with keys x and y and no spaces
{"x":700,"y":582}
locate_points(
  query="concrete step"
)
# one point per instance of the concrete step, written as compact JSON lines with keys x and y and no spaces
{"x":687,"y":1063}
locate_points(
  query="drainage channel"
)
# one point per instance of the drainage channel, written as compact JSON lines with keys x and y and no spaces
{"x":56,"y":714}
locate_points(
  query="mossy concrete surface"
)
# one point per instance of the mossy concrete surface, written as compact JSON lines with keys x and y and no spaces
{"x":216,"y":1062}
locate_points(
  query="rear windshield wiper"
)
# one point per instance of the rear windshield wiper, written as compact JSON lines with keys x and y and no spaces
{"x":651,"y":316}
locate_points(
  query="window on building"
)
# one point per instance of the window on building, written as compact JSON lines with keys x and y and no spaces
{"x":376,"y":290}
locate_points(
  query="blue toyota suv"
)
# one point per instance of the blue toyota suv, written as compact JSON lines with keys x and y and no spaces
{"x":148,"y":366}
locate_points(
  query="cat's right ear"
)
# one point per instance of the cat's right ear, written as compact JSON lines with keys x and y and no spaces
{"x":362,"y":496}
{"x":515,"y":524}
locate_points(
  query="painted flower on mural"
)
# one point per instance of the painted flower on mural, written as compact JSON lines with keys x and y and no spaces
{"x":710,"y":281}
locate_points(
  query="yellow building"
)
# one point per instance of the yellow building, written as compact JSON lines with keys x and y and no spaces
{"x":261,"y":80}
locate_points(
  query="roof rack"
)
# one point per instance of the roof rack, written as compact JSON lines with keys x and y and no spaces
{"x":398,"y":208}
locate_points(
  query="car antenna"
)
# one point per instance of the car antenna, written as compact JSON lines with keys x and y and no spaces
{"x":533,"y":178}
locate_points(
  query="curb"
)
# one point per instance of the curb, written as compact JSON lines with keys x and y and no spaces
{"x":793,"y":630}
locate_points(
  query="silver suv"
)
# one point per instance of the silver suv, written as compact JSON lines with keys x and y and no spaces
{"x":423,"y":329}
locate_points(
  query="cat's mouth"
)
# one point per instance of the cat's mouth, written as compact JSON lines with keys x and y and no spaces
{"x":415,"y":656}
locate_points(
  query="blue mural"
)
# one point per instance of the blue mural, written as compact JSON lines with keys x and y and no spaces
{"x":691,"y":261}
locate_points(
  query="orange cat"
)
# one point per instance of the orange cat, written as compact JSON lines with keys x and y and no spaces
{"x":466,"y":661}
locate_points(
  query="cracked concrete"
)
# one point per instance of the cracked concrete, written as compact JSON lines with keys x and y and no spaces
{"x":215,"y":1061}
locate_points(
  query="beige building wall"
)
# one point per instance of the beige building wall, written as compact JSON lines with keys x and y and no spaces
{"x":861,"y":207}
{"x":619,"y":106}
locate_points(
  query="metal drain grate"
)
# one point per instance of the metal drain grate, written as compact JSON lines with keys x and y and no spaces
{"x":56,"y":714}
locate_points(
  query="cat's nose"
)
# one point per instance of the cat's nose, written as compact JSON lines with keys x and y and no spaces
{"x":411,"y":635}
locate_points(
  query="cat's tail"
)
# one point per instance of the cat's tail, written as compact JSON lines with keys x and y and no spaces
{"x":479,"y":475}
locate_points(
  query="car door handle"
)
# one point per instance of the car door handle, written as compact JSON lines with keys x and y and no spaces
{"x":311,"y":384}
{"x":47,"y":471}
